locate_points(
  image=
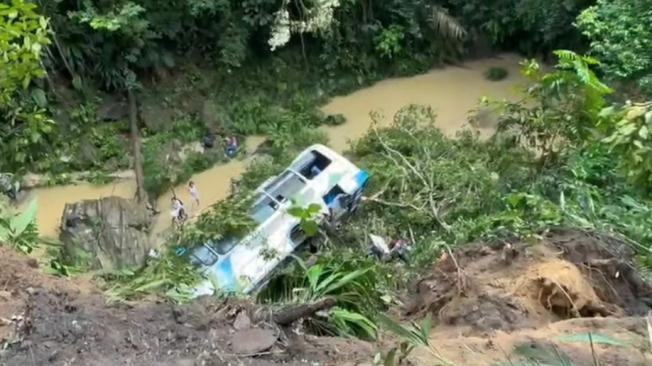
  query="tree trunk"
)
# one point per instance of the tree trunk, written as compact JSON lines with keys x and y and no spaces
{"x":141,"y":194}
{"x":290,"y":314}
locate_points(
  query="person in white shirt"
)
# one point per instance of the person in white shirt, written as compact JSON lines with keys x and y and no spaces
{"x":194,"y":193}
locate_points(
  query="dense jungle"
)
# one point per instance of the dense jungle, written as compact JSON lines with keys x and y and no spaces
{"x":506,"y":219}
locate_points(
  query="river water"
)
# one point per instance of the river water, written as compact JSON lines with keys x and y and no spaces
{"x":452,"y":91}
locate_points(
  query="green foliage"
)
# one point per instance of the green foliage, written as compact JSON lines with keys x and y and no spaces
{"x":24,"y":125}
{"x":168,"y":161}
{"x":412,"y":336}
{"x":351,"y":280}
{"x":170,"y":274}
{"x":541,"y":354}
{"x":496,"y":73}
{"x":23,"y":35}
{"x":307,"y":217}
{"x":424,"y":181}
{"x":631,"y":140}
{"x":230,"y":217}
{"x":19,"y":230}
{"x":560,"y":107}
{"x":388,"y":42}
{"x":620,"y":36}
{"x":531,"y":26}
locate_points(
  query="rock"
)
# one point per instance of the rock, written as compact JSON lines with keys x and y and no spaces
{"x":252,"y":341}
{"x":32,"y":262}
{"x":5,"y":295}
{"x":109,"y":233}
{"x":112,"y":108}
{"x":242,"y":321}
{"x":8,"y":186}
{"x":184,"y":362}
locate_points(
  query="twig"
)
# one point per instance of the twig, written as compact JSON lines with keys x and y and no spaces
{"x":460,"y":273}
{"x":426,"y":183}
{"x":595,"y":357}
{"x":387,"y":203}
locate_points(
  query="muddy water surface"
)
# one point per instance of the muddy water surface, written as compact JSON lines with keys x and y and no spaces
{"x":452,"y":91}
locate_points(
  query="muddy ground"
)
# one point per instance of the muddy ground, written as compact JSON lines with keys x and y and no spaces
{"x":544,"y":294}
{"x":485,"y":301}
{"x":52,"y":321}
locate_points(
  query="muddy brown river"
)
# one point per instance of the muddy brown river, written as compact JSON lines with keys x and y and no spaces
{"x":452,"y":91}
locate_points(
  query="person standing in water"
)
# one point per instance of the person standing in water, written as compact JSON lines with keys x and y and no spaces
{"x":194,"y":193}
{"x":231,"y":146}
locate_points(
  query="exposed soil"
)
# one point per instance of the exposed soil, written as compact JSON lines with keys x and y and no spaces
{"x":487,"y":300}
{"x":51,"y":321}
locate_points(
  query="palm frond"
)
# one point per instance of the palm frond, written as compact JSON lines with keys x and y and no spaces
{"x":445,"y":24}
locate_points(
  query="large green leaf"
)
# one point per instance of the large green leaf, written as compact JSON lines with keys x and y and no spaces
{"x":313,"y":275}
{"x":345,"y":280}
{"x":543,"y":355}
{"x":20,"y":222}
{"x":310,"y":227}
{"x":340,"y":315}
{"x":5,"y":232}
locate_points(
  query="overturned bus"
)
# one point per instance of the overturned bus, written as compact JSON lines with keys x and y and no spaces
{"x":317,"y":176}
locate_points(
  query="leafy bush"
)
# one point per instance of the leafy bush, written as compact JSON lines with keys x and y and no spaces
{"x":351,"y":280}
{"x":631,"y":140}
{"x":563,"y":105}
{"x":531,"y":26}
{"x":170,"y":274}
{"x":18,"y":230}
{"x":496,"y":73}
{"x":620,"y":36}
{"x":24,"y":124}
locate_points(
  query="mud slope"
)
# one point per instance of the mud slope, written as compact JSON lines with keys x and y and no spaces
{"x":551,"y":293}
{"x":48,"y":321}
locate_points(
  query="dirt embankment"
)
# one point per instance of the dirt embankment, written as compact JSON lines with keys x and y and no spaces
{"x":51,"y":321}
{"x":485,"y":300}
{"x":544,"y":295}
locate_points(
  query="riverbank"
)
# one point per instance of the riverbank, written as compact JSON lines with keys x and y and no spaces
{"x":452,"y":91}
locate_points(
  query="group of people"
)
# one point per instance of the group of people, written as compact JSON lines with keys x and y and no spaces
{"x":178,"y":212}
{"x":231,"y":148}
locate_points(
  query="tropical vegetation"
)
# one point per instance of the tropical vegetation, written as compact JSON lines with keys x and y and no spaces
{"x":574,"y":151}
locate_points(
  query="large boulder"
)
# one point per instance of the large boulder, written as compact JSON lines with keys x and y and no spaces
{"x":110,"y":233}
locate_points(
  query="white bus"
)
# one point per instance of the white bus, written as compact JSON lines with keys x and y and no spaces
{"x":318,"y":175}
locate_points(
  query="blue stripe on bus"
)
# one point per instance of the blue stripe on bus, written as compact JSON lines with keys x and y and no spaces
{"x":225,"y":276}
{"x":361,"y":178}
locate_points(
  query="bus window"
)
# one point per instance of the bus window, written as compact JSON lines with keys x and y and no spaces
{"x":225,"y":245}
{"x":313,"y":165}
{"x":203,"y":256}
{"x":263,"y":209}
{"x":297,"y":235}
{"x":332,"y":194}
